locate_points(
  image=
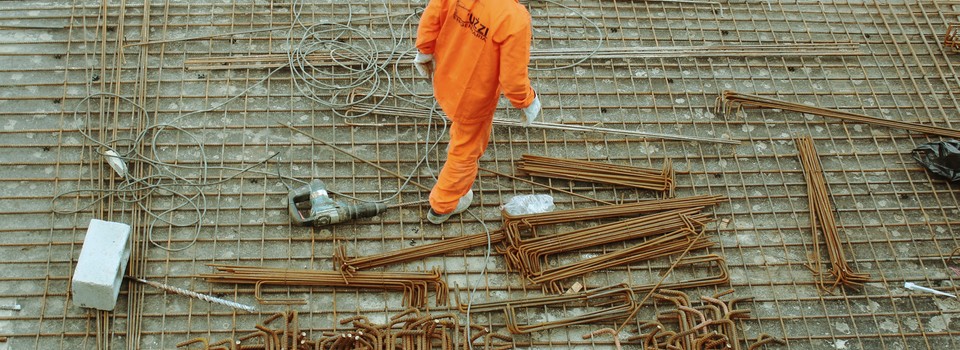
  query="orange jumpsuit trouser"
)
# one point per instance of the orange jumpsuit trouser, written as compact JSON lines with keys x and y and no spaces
{"x":468,"y":141}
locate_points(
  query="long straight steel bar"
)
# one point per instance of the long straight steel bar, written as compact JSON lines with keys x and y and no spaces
{"x":368,"y":162}
{"x":731,"y":100}
{"x":367,"y":108}
{"x":268,"y":61}
{"x":413,"y":253}
{"x":821,"y":216}
{"x":616,"y":301}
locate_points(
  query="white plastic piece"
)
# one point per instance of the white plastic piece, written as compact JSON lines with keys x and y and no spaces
{"x":103,"y":259}
{"x":529,"y":204}
{"x":913,"y":286}
{"x":115,"y":162}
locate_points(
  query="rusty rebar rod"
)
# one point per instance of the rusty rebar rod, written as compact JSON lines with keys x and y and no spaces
{"x":731,"y":100}
{"x":339,"y":59}
{"x":445,"y":246}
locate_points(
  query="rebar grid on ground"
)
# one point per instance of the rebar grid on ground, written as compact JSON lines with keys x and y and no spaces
{"x":899,"y":223}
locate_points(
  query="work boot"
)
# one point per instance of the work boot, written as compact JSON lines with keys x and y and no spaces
{"x":462,"y":206}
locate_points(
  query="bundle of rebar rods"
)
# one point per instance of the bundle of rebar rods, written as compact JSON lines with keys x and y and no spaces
{"x":671,"y":243}
{"x":414,"y":285}
{"x":410,"y":329}
{"x":350,"y":265}
{"x":821,"y":217}
{"x":598,"y":172}
{"x":603,"y":304}
{"x":731,"y":100}
{"x":951,"y":40}
{"x":514,"y":225}
{"x":341,"y":59}
{"x":528,"y":255}
{"x":712,"y":325}
{"x":363,"y":108}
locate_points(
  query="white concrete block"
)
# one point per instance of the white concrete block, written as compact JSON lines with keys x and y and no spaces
{"x":103,"y":259}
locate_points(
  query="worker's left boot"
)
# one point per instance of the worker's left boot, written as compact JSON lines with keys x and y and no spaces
{"x":462,"y":206}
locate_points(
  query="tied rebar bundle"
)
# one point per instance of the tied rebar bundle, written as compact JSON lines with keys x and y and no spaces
{"x":667,"y":228}
{"x":606,"y":173}
{"x":414,"y":285}
{"x":732,"y":101}
{"x":821,"y":216}
{"x":601,"y":304}
{"x":410,"y":329}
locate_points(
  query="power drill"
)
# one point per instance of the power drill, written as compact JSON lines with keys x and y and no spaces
{"x":311,"y":205}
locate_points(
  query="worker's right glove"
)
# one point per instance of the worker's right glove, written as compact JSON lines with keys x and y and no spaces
{"x":532,"y":111}
{"x":424,"y":64}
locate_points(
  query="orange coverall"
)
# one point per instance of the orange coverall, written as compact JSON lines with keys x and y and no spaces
{"x":481,"y":48}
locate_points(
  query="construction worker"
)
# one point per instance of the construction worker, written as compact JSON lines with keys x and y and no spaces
{"x":476,"y":50}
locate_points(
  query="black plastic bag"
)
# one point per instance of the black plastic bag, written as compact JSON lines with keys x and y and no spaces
{"x":941,"y":158}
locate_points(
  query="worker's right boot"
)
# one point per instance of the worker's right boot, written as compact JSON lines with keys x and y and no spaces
{"x":462,"y":206}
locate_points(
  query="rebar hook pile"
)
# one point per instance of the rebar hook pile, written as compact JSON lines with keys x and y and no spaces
{"x":414,"y":285}
{"x":410,"y":329}
{"x":708,"y":326}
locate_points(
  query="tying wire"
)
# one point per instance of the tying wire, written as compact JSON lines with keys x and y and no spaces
{"x":486,"y":260}
{"x":136,"y":190}
{"x":165,"y":178}
{"x":586,"y":57}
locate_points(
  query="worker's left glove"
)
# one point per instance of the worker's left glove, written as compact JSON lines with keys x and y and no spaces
{"x":532,"y":111}
{"x":424,"y":64}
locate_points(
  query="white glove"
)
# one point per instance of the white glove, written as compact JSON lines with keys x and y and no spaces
{"x":532,"y":111}
{"x":424,"y":64}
